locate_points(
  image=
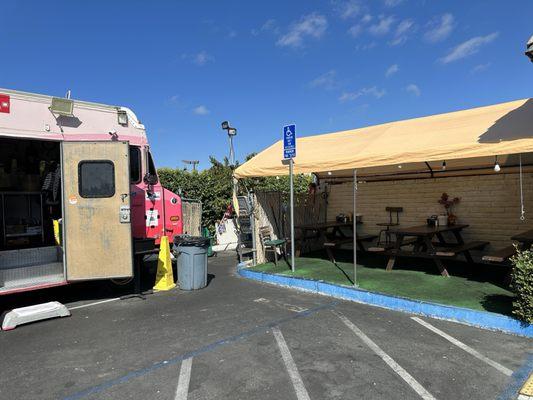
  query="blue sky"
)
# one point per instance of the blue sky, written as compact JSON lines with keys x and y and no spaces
{"x":184,"y":67}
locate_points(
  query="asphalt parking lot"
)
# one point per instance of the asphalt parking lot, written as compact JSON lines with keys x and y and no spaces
{"x":239,"y":339}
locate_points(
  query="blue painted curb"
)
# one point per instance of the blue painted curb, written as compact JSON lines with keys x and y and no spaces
{"x":480,"y":319}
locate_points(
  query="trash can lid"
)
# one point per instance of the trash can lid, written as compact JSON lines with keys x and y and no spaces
{"x":193,"y":241}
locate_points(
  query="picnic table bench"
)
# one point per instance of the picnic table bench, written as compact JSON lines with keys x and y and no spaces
{"x":337,"y":242}
{"x":525,"y":239}
{"x":452,"y":251}
{"x":331,"y":232}
{"x":425,"y":247}
{"x":391,"y":245}
{"x":502,"y":256}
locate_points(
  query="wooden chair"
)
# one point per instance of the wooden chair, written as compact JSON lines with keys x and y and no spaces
{"x":387,"y":225}
{"x":272,"y":245}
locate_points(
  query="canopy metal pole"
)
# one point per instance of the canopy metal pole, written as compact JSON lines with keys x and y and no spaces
{"x":354,"y":219}
{"x":291,"y":183}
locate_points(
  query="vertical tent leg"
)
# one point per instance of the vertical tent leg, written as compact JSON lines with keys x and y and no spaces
{"x":354,"y":219}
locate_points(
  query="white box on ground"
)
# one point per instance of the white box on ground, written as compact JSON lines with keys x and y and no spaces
{"x":38,"y":312}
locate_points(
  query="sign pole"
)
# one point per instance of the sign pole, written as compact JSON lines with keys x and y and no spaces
{"x":291,"y":183}
{"x":289,"y":152}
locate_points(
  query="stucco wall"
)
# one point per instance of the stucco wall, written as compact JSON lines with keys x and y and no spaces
{"x":490,"y":204}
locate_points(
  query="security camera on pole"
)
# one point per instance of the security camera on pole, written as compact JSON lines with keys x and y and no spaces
{"x":289,"y":152}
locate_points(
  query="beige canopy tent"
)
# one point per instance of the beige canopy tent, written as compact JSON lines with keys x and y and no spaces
{"x":464,"y":139}
{"x":471,"y":139}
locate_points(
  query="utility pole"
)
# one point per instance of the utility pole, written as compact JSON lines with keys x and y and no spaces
{"x":194,"y":163}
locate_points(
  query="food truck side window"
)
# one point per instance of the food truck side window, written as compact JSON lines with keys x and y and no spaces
{"x":96,"y":179}
{"x":135,"y":164}
{"x":151,"y":167}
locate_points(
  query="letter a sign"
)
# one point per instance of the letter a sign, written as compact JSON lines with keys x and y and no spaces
{"x":289,"y":141}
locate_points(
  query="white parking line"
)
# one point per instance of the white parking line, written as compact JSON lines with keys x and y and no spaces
{"x":94,"y":304}
{"x":299,"y":388}
{"x":182,"y":391}
{"x":469,"y":350}
{"x":417,"y":387}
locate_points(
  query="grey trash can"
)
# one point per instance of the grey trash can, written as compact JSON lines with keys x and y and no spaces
{"x":191,"y":253}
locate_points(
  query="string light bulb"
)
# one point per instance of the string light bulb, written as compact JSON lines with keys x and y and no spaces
{"x":444,"y":165}
{"x":496,"y":165}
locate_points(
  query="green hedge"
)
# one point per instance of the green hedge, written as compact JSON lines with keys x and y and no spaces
{"x":522,"y":285}
{"x":213,"y":187}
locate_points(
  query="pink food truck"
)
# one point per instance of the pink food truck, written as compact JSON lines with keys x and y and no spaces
{"x":87,"y":169}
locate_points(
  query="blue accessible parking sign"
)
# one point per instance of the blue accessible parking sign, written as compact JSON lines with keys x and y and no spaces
{"x":289,"y":141}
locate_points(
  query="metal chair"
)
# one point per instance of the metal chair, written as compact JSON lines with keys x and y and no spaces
{"x":272,"y":245}
{"x":392,"y":222}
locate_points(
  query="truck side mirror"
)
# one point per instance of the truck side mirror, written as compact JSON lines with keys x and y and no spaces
{"x":150,"y":179}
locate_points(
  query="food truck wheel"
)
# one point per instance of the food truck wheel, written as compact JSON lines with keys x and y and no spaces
{"x":122,"y":281}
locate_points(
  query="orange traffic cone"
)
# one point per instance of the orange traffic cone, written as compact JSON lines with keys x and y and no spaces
{"x":164,"y":279}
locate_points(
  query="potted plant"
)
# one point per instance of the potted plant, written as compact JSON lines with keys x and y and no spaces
{"x":448,"y":204}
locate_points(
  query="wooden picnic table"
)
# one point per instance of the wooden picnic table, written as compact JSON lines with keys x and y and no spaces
{"x":525,"y":239}
{"x":502,"y":256}
{"x":425,"y":247}
{"x":330,"y":231}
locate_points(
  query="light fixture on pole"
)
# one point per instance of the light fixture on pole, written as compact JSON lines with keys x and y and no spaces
{"x":231,"y":133}
{"x":194,"y":163}
{"x":529,"y":48}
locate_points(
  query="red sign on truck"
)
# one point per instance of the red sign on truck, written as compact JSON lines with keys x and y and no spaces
{"x":4,"y":104}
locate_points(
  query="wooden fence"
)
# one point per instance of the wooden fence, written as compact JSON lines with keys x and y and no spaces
{"x":272,"y":209}
{"x":192,"y":217}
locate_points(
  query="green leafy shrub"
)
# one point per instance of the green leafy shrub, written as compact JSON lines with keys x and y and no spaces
{"x":213,"y":187}
{"x":522,"y":285}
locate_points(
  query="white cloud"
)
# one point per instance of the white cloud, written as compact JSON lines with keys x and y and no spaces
{"x":404,"y":27}
{"x":413,"y":89}
{"x":200,"y":59}
{"x":349,"y":8}
{"x":355,"y":30}
{"x":327,"y":80}
{"x":372,"y":91}
{"x":471,"y":46}
{"x":403,"y":30}
{"x":312,"y":25}
{"x":480,"y":68}
{"x":270,"y":25}
{"x":176,"y":102}
{"x":366,"y":19}
{"x":440,"y":28}
{"x":392,"y":70}
{"x":358,"y":28}
{"x":201,"y":110}
{"x":392,"y":3}
{"x":366,"y":46}
{"x":383,"y":26}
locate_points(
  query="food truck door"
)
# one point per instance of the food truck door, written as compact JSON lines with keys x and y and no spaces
{"x":96,"y":210}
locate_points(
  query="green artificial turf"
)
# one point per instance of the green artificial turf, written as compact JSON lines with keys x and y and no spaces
{"x":479,"y":287}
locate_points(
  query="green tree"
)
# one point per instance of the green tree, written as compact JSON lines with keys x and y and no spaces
{"x":214,"y":187}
